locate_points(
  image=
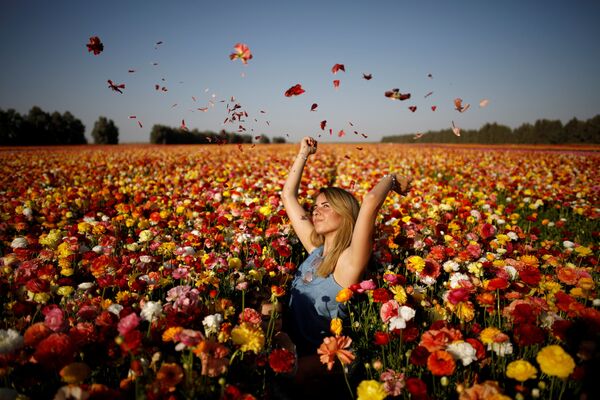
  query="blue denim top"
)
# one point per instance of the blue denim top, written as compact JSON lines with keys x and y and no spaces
{"x":313,"y":304}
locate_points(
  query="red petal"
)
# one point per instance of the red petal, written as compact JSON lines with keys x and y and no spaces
{"x":336,"y":83}
{"x":433,"y":108}
{"x":338,"y":67}
{"x":412,"y":108}
{"x":323,"y":124}
{"x":314,"y":107}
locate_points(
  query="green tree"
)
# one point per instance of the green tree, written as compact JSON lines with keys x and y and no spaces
{"x":105,"y":131}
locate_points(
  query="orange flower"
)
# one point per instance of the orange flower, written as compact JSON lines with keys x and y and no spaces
{"x":344,"y":295}
{"x":169,"y":375}
{"x":441,"y":363}
{"x":335,"y":347}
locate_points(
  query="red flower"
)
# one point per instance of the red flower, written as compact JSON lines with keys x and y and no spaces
{"x":36,"y":333}
{"x":242,"y":52}
{"x":95,"y":45}
{"x":381,"y":338}
{"x":487,"y":231}
{"x":455,"y":296}
{"x":417,"y":388}
{"x":294,"y":91}
{"x":497,"y":284}
{"x":55,"y":351}
{"x":381,"y":295}
{"x":441,"y":363}
{"x":478,"y":346}
{"x":528,"y":334}
{"x":282,"y":360}
{"x":131,"y":341}
{"x":419,"y":356}
{"x":530,"y":275}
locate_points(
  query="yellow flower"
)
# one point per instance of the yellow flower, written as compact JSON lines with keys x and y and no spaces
{"x":583,"y":251}
{"x":415,"y":263}
{"x":248,"y":337}
{"x":554,"y":361}
{"x":265,"y":210}
{"x":488,"y":334}
{"x":65,"y":290}
{"x":75,"y":373}
{"x":521,"y":370}
{"x":399,"y":294}
{"x":336,"y":326}
{"x":344,"y":295}
{"x":169,"y":333}
{"x":234,"y":263}
{"x":371,"y":390}
{"x":465,"y":311}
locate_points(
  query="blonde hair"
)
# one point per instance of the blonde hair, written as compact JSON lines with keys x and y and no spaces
{"x":346,"y":205}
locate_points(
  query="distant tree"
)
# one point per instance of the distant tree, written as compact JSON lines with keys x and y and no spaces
{"x":73,"y":130}
{"x":11,"y":127}
{"x":38,"y":129}
{"x":278,"y":139}
{"x":549,"y":131}
{"x":264,"y":139}
{"x":105,"y":131}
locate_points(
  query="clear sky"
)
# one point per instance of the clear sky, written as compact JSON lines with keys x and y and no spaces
{"x":530,"y":59}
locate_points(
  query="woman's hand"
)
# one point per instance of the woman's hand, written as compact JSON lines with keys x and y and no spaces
{"x":400,"y":184}
{"x":308,"y":146}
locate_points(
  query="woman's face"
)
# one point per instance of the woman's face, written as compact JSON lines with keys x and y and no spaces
{"x":324,"y":217}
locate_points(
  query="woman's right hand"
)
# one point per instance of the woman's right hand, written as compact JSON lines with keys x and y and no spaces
{"x":308,"y":146}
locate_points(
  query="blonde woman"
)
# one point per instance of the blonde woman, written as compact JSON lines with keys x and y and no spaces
{"x":338,"y":237}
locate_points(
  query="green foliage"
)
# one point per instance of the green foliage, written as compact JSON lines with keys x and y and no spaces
{"x":543,"y":131}
{"x":40,"y":128}
{"x":105,"y":132}
{"x":161,"y":134}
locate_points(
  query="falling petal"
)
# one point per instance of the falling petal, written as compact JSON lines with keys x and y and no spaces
{"x":323,"y":124}
{"x":433,"y":108}
{"x":314,"y":107}
{"x":336,"y":83}
{"x":428,"y":94}
{"x":455,"y":129}
{"x":483,"y":103}
{"x":367,"y":77}
{"x":295,"y":90}
{"x":95,"y":45}
{"x":412,"y":108}
{"x":338,"y":67}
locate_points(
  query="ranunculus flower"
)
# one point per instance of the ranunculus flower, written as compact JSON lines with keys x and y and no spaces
{"x":282,"y":361}
{"x":335,"y":347}
{"x":248,"y":337}
{"x":521,"y":370}
{"x":128,"y":323}
{"x":10,"y":340}
{"x":370,"y":390}
{"x":441,"y":363}
{"x":554,"y":361}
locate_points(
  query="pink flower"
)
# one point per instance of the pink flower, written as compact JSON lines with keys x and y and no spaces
{"x":128,"y":323}
{"x":366,"y":285}
{"x":55,"y":318}
{"x":389,"y":310}
{"x":250,"y":315}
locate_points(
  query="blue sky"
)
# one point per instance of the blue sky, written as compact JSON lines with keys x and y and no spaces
{"x":531,"y":59}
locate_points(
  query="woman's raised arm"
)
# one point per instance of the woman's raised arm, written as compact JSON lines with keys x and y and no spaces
{"x":362,"y":236}
{"x":301,"y":223}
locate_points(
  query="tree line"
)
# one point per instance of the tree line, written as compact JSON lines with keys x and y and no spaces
{"x":40,"y":128}
{"x":543,"y":131}
{"x":162,"y":134}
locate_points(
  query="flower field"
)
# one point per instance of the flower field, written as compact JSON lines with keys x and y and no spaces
{"x":142,"y":271}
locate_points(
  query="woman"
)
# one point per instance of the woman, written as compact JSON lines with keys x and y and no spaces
{"x":338,"y":238}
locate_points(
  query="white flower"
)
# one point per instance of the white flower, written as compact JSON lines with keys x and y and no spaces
{"x":450,"y":266}
{"x":406,"y":313}
{"x":568,"y":244}
{"x":27,"y":212}
{"x":212,"y":324}
{"x":462,"y":351}
{"x":97,"y":249}
{"x":512,"y":272}
{"x":513,"y":235}
{"x":145,"y":259}
{"x":151,"y":310}
{"x":85,"y":285}
{"x":596,"y":302}
{"x":10,"y":340}
{"x":456,"y":278}
{"x":501,"y":349}
{"x":115,"y":309}
{"x":397,"y":323}
{"x":146,"y":236}
{"x":19,"y":243}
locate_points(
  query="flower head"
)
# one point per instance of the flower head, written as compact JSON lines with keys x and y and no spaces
{"x":335,"y":347}
{"x":371,"y":390}
{"x":554,"y":361}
